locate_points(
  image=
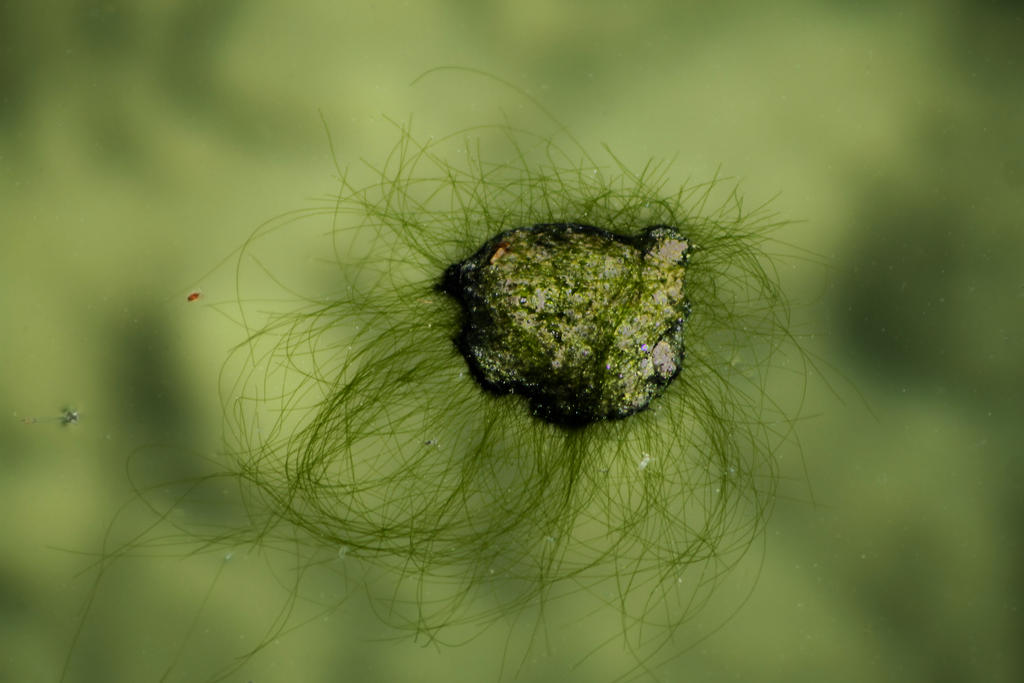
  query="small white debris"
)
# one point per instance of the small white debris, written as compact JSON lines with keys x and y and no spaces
{"x":664,"y":359}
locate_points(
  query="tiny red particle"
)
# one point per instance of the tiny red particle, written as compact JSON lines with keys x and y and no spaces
{"x":194,"y":296}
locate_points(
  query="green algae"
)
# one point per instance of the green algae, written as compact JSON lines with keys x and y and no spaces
{"x":586,"y":323}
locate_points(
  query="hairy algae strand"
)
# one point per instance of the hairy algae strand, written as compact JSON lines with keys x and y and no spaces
{"x":495,"y":408}
{"x":530,"y":391}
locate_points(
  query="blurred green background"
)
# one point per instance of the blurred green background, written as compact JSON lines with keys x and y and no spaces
{"x":142,"y":142}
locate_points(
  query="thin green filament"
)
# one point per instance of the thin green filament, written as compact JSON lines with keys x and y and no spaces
{"x":459,"y":438}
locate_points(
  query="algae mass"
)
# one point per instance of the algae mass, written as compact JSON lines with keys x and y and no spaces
{"x":529,"y":376}
{"x":587,"y":323}
{"x":497,"y":409}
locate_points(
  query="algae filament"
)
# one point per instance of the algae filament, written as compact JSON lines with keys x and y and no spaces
{"x":535,"y":376}
{"x":545,"y":375}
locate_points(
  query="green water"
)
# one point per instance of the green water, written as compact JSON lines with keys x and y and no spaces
{"x":142,"y":143}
